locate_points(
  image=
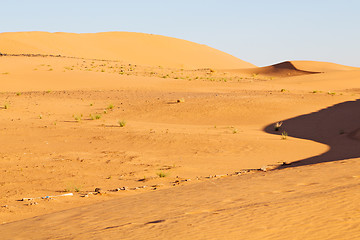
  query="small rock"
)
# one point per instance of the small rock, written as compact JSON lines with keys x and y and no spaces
{"x":264,"y":168}
{"x":99,"y":191}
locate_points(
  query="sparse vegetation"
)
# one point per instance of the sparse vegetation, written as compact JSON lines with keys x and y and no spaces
{"x":121,"y":123}
{"x":161,"y":174}
{"x":277,"y":126}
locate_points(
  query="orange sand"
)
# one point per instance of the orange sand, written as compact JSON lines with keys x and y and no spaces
{"x":197,"y":149}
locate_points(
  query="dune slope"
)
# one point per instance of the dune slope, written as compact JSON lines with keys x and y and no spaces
{"x":296,"y":68}
{"x":319,"y":202}
{"x":137,"y":48}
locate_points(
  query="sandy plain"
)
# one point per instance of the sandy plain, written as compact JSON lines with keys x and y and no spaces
{"x":199,"y":156}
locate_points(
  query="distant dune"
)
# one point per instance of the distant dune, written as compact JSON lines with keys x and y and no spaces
{"x":295,"y":68}
{"x":136,"y":48}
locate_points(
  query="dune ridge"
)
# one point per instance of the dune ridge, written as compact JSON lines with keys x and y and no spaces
{"x":296,"y":68}
{"x":137,"y":48}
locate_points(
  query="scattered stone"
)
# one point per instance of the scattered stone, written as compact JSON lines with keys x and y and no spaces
{"x":32,"y":203}
{"x":85,"y":196}
{"x":264,"y":168}
{"x":4,"y":206}
{"x":99,"y":191}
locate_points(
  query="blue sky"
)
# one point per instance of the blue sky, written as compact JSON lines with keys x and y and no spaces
{"x":260,"y":32}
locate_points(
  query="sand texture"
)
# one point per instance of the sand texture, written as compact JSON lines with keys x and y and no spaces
{"x":176,"y":142}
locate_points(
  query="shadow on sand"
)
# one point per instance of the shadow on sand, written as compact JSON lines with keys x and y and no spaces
{"x":337,"y":126}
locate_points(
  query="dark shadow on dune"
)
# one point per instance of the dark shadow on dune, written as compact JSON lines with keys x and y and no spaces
{"x":337,"y":126}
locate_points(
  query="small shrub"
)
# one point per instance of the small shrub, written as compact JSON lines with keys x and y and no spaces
{"x":277,"y":126}
{"x":284,"y":135}
{"x":6,"y":106}
{"x":110,"y":106}
{"x":97,"y":116}
{"x":282,"y":90}
{"x":161,"y":174}
{"x":122,"y":123}
{"x":18,"y":93}
{"x":180,"y":100}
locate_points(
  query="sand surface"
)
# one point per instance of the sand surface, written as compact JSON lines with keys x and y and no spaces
{"x":199,"y":156}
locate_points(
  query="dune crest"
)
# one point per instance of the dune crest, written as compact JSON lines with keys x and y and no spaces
{"x":296,"y":68}
{"x":136,"y":48}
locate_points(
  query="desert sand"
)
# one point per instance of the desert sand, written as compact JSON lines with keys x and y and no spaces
{"x":179,"y":138}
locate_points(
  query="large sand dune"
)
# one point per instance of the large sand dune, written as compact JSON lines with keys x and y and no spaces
{"x":135,"y":48}
{"x":195,"y":153}
{"x":296,"y":68}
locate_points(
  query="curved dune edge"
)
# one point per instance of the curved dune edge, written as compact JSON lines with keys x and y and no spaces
{"x":136,"y":48}
{"x":336,"y":126}
{"x":296,"y":68}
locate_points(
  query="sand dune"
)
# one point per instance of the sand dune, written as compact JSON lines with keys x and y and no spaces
{"x":195,"y":155}
{"x":336,"y":126}
{"x":135,"y":48}
{"x":316,"y":202}
{"x":295,"y":68}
